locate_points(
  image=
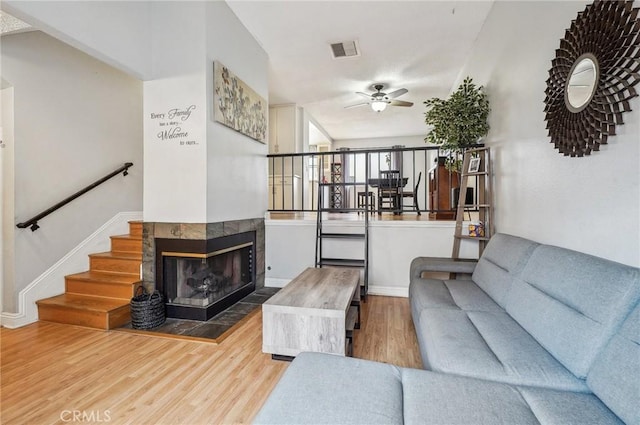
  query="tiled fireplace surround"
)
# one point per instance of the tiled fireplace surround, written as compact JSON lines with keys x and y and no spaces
{"x":199,"y":231}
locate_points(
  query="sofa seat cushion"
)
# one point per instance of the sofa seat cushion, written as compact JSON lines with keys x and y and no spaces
{"x":453,"y":294}
{"x":568,"y":408}
{"x":436,"y":398}
{"x":489,"y":345}
{"x":325,"y":389}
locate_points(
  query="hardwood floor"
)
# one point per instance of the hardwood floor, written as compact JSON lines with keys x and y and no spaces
{"x":51,"y":372}
{"x":387,"y":334}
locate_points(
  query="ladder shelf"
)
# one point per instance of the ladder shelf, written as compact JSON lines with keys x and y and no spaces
{"x":481,"y":172}
{"x":324,"y":259}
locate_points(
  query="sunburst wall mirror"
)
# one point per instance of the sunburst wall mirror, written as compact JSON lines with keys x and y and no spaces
{"x":592,"y":77}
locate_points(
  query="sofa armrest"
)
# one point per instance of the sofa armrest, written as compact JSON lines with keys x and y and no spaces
{"x":441,"y":264}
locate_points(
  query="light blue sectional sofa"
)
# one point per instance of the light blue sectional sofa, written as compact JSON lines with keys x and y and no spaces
{"x":528,"y":334}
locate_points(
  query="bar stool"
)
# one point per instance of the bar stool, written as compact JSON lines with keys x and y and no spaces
{"x":363,"y":197}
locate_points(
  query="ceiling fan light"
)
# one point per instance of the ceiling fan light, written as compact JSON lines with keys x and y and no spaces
{"x":378,"y":105}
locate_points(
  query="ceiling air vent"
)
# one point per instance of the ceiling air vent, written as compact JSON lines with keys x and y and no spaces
{"x":345,"y":49}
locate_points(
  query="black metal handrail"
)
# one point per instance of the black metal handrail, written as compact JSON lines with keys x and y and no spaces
{"x":291,"y":173}
{"x":294,"y":163}
{"x":33,"y":222}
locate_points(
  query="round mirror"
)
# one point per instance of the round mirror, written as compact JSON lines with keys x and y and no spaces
{"x":582,"y":83}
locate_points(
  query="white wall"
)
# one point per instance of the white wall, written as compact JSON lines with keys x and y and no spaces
{"x":116,"y":32}
{"x":7,"y":189}
{"x":392,"y":247}
{"x":236,"y":164}
{"x":175,"y":181}
{"x":590,"y":204}
{"x":76,"y":120}
{"x":215,"y":173}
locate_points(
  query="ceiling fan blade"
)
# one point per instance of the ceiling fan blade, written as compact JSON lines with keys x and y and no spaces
{"x":397,"y":93}
{"x":400,"y":103}
{"x":368,"y":96}
{"x":357,"y":104}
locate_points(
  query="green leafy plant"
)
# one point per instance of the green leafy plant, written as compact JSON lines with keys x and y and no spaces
{"x":458,"y":122}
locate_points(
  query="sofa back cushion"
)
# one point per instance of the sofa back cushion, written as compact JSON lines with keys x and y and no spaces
{"x":504,"y":256}
{"x":572,"y":303}
{"x":615,"y":374}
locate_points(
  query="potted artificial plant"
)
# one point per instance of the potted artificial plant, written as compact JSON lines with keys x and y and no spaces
{"x":458,"y":122}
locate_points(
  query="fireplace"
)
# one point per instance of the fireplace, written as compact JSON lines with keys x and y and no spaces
{"x":200,"y":278}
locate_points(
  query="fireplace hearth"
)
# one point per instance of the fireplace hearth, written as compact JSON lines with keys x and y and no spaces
{"x":200,"y":278}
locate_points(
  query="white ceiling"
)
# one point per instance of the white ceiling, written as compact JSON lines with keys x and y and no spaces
{"x":418,"y":45}
{"x":11,"y":25}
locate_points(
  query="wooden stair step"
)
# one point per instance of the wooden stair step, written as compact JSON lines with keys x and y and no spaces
{"x":103,"y":284}
{"x":116,"y":262}
{"x":126,"y":243}
{"x":85,"y":310}
{"x":85,"y":302}
{"x":135,"y":228}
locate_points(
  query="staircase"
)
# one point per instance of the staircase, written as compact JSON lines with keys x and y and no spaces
{"x":99,"y":298}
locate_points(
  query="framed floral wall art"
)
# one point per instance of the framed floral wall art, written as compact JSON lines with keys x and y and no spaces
{"x":237,"y":106}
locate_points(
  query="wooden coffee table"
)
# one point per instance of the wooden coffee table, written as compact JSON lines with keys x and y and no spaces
{"x":311,"y":313}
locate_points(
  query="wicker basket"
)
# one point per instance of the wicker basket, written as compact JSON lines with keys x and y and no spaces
{"x":147,"y":309}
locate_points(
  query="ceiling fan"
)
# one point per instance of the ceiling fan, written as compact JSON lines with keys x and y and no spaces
{"x":380,"y":100}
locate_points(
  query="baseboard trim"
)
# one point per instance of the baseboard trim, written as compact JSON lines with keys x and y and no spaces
{"x":272,"y":282}
{"x":13,"y":320}
{"x":389,"y":291}
{"x":51,"y":282}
